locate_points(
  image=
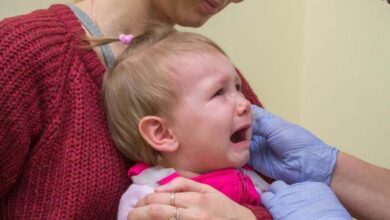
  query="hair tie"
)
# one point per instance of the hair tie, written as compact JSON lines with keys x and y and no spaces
{"x":125,"y":38}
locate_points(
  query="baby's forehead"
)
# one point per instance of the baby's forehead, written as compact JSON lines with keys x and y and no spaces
{"x":192,"y":65}
{"x":199,"y":58}
{"x":197,"y":62}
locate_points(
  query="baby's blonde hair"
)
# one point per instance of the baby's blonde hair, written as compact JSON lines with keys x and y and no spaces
{"x":140,"y":84}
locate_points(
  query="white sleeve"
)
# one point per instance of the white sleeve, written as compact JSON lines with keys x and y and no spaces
{"x":260,"y":184}
{"x":130,"y":198}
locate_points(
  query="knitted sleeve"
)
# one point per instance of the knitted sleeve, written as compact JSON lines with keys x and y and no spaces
{"x":247,"y":90}
{"x":20,"y":114}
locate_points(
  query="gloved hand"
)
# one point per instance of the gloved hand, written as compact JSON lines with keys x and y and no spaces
{"x":285,"y":151}
{"x":301,"y":201}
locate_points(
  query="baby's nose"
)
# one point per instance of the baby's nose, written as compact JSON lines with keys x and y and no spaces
{"x":243,"y":106}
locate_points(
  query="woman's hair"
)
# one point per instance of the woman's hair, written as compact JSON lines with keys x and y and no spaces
{"x":140,"y":84}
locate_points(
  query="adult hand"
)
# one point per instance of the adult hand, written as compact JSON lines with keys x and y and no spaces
{"x":193,"y":201}
{"x":285,"y":151}
{"x":301,"y":201}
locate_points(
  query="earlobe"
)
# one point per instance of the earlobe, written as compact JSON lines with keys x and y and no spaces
{"x":155,"y":131}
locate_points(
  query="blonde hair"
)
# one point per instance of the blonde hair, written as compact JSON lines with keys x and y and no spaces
{"x":140,"y":84}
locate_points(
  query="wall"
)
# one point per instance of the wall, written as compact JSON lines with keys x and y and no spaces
{"x":16,"y":7}
{"x":346,"y":78}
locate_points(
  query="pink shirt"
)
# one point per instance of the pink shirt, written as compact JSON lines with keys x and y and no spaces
{"x":242,"y":185}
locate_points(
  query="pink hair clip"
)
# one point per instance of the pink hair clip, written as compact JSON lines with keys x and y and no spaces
{"x":125,"y":38}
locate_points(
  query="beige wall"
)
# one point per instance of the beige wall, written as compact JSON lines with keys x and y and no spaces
{"x":16,"y":7}
{"x":346,"y":78}
{"x":322,"y":64}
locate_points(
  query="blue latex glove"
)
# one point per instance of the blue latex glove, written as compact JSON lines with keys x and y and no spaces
{"x":285,"y":151}
{"x":301,"y":201}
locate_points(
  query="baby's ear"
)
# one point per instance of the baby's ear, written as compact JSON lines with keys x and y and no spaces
{"x":156,"y":132}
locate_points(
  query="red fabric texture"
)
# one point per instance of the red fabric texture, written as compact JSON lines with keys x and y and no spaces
{"x":57,"y":160}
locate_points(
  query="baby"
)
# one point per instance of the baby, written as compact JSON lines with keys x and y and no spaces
{"x":174,"y":104}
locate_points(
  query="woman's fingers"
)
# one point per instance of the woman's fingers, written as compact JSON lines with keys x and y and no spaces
{"x":188,"y":206}
{"x":181,"y":184}
{"x":155,"y":198}
{"x":157,"y":211}
{"x":182,"y":199}
{"x":193,"y":200}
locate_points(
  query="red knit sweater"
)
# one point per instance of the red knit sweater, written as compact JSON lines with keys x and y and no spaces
{"x":57,"y":160}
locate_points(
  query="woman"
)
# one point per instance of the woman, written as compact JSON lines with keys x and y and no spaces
{"x":56,"y":158}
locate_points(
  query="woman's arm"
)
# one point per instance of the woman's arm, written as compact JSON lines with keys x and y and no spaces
{"x":20,"y":100}
{"x":363,"y":188}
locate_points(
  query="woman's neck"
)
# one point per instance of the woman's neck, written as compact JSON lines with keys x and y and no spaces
{"x":122,"y":16}
{"x":113,"y":17}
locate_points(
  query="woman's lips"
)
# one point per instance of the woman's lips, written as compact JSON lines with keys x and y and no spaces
{"x":209,"y":7}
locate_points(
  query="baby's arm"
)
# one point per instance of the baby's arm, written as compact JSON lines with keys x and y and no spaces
{"x":130,"y":198}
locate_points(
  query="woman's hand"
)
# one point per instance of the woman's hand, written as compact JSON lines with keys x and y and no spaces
{"x":303,"y":201}
{"x":191,"y":200}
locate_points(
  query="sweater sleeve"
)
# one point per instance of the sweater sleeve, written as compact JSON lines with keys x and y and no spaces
{"x":20,"y":114}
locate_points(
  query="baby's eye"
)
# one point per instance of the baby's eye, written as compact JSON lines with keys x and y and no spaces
{"x":219,"y":92}
{"x":238,"y":87}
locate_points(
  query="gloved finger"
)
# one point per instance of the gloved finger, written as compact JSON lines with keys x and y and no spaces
{"x":258,"y":153}
{"x":277,"y":186}
{"x":266,"y":199}
{"x":264,"y":122}
{"x":257,"y":112}
{"x":258,"y":144}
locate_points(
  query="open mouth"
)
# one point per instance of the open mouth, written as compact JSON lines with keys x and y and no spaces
{"x":239,"y":135}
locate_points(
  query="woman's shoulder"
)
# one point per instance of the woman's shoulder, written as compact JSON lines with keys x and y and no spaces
{"x":38,"y":29}
{"x":43,"y":40}
{"x":55,"y":14}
